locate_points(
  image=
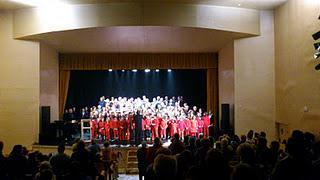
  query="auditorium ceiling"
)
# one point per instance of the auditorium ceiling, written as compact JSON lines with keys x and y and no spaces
{"x":139,"y":39}
{"x":253,"y":4}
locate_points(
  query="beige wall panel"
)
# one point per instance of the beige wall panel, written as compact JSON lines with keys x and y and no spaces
{"x":19,"y":87}
{"x":254,"y":80}
{"x":297,"y":83}
{"x":226,"y":78}
{"x":49,"y":79}
{"x":42,"y":20}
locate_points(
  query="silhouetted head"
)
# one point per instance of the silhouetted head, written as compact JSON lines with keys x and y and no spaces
{"x":61,"y":148}
{"x":165,"y":167}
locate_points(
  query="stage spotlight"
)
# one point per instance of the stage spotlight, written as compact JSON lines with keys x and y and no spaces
{"x":169,"y":70}
{"x":316,"y":55}
{"x":122,"y":70}
{"x":317,"y":67}
{"x":317,"y":46}
{"x":147,"y":70}
{"x":134,"y":70}
{"x":157,"y":70}
{"x":316,"y":36}
{"x":110,"y":70}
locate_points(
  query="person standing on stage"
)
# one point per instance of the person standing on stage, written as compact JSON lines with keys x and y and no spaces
{"x":155,"y":127}
{"x":206,"y":123}
{"x":200,"y":124}
{"x":138,"y":128}
{"x":193,"y":126}
{"x":147,"y":127}
{"x":181,"y":127}
{"x":163,"y":127}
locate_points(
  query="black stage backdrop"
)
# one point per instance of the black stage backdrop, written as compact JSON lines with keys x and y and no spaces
{"x":85,"y":87}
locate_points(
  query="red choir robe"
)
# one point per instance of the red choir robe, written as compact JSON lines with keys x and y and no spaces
{"x":181,"y":127}
{"x":155,"y":127}
{"x":187,"y":126}
{"x":102,"y":131}
{"x":200,"y":125}
{"x":174,"y":127}
{"x":107,"y":129}
{"x":206,"y":123}
{"x":94,"y":128}
{"x":147,"y":124}
{"x":163,"y":127}
{"x":193,"y":127}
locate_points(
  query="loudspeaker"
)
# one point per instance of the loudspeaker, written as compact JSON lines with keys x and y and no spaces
{"x":44,"y":118}
{"x":225,"y":116}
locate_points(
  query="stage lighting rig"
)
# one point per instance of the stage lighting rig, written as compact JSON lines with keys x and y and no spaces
{"x":169,"y":70}
{"x":316,"y":45}
{"x":147,"y":70}
{"x":157,"y":70}
{"x":134,"y":70}
{"x":110,"y":70}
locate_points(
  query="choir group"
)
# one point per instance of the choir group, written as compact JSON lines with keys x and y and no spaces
{"x":114,"y":118}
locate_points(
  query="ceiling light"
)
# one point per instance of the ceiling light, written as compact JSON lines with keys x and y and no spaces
{"x":122,"y":70}
{"x":134,"y":70}
{"x":157,"y":70}
{"x":147,"y":70}
{"x":239,"y":4}
{"x":110,"y":70}
{"x":169,"y":70}
{"x":38,"y":3}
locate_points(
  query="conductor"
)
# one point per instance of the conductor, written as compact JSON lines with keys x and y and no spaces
{"x":138,"y":130}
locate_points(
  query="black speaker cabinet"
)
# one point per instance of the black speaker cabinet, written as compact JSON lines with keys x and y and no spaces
{"x":44,"y":118}
{"x":225,"y":117}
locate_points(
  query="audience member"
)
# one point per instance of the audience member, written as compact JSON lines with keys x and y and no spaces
{"x":142,"y":160}
{"x":176,"y":145}
{"x":60,"y":163}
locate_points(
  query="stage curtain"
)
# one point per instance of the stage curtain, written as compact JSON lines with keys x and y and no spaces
{"x":64,"y":77}
{"x":212,"y":91}
{"x":119,"y":61}
{"x":96,"y":61}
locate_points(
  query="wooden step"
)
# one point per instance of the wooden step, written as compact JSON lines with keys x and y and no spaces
{"x":132,"y":153}
{"x":132,"y":165}
{"x":132,"y":159}
{"x":132,"y":171}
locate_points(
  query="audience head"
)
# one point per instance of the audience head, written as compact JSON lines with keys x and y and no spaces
{"x":81,"y":146}
{"x":163,"y":150}
{"x":263,"y":134}
{"x":144,"y":144}
{"x":243,"y":138}
{"x":275,"y":146}
{"x":165,"y":167}
{"x":250,"y":134}
{"x":17,"y":150}
{"x":246,"y":153}
{"x":157,"y":142}
{"x":106,"y":144}
{"x":176,"y":137}
{"x":244,"y":171}
{"x":262,"y":142}
{"x":61,"y":148}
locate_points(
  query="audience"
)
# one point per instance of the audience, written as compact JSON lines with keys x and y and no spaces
{"x":229,"y":158}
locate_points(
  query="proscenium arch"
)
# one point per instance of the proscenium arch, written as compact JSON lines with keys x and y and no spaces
{"x":71,"y":17}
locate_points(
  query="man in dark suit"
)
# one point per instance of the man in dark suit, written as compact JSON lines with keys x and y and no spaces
{"x":138,"y":122}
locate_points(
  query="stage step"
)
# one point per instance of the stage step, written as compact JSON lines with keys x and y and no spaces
{"x":132,"y":162}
